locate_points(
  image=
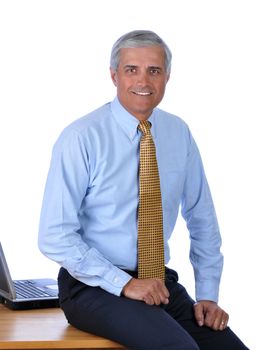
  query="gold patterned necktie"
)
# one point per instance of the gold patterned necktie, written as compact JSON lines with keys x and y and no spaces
{"x":151,"y":262}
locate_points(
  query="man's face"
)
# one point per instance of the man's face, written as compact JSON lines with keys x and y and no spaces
{"x":140,"y":79}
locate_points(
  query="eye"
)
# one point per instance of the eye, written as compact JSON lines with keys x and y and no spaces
{"x":130,"y":70}
{"x":155,"y":71}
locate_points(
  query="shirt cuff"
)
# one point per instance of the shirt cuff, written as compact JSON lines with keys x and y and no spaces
{"x":207,"y":290}
{"x":115,"y":280}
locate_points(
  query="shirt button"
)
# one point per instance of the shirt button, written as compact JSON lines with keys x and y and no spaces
{"x":116,"y":280}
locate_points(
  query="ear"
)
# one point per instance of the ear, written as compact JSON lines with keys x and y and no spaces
{"x":168,"y":77}
{"x":113,"y":74}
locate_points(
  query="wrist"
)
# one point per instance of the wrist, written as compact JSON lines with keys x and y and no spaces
{"x":125,"y":287}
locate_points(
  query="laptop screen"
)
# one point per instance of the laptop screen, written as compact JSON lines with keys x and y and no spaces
{"x":3,"y":282}
{"x":6,"y":287}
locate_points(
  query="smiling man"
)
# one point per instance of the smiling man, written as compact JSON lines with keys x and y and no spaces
{"x":140,"y":78}
{"x":116,"y":182}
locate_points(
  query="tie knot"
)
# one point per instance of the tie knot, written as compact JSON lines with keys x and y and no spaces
{"x":144,"y":127}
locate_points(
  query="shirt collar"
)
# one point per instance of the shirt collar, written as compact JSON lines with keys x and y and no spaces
{"x":127,"y":121}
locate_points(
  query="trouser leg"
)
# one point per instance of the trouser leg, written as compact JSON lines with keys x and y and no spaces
{"x":180,"y":308}
{"x":131,"y":323}
{"x":140,"y":326}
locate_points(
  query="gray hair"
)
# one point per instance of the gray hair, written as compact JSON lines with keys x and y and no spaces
{"x":139,"y":38}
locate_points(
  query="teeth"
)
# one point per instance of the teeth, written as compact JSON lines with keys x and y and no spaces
{"x":142,"y":93}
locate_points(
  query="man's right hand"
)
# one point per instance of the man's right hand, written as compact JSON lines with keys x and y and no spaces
{"x":151,"y":290}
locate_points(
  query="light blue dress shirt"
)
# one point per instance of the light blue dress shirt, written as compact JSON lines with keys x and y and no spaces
{"x":89,"y":212}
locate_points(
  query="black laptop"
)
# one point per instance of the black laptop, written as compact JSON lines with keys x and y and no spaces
{"x":26,"y":294}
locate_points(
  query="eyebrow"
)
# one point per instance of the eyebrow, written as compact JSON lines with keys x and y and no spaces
{"x":155,"y":67}
{"x":150,"y":67}
{"x":130,"y":66}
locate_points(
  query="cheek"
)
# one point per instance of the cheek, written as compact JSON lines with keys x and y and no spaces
{"x":161,"y":89}
{"x":123,"y":84}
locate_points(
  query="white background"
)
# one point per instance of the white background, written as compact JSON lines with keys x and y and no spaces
{"x":224,"y":84}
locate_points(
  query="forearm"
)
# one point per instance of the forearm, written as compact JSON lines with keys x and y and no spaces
{"x":84,"y":263}
{"x":205,"y":254}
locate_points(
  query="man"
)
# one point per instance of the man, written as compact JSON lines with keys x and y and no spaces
{"x":92,"y":215}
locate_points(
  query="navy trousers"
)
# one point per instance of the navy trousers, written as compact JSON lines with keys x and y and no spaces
{"x":137,"y":325}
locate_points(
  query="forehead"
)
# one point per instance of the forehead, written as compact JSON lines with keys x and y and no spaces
{"x":150,"y":55}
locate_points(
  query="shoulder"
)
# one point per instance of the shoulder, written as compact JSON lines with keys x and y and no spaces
{"x":90,"y":120}
{"x":86,"y":126}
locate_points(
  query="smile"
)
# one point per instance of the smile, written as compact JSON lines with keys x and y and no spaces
{"x":141,"y":93}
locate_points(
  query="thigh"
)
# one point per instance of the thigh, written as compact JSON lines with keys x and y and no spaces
{"x":131,"y":323}
{"x":180,"y":308}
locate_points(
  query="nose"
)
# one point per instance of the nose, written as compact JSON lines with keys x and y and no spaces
{"x":142,"y":78}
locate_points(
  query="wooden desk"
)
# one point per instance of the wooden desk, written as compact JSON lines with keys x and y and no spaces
{"x":45,"y":329}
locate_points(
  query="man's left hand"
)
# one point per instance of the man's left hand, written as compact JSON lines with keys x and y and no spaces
{"x":208,"y":313}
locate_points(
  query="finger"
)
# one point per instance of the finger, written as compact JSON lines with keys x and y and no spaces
{"x":222,"y":325}
{"x":152,"y":295}
{"x":156,"y":298}
{"x":216,"y":324}
{"x":160,"y":285}
{"x":165,"y":301}
{"x":164,"y":294}
{"x":148,"y":300}
{"x":199,"y":314}
{"x":214,"y":318}
{"x":220,"y":322}
{"x":159,"y":292}
{"x":219,"y":325}
{"x":224,"y":322}
{"x":165,"y":291}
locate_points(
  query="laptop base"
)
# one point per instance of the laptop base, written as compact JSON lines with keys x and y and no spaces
{"x":28,"y":305}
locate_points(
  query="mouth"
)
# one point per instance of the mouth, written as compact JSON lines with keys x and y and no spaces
{"x":142,"y":93}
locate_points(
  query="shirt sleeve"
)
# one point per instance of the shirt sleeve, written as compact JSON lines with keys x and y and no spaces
{"x":60,"y":232}
{"x":198,"y":211}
